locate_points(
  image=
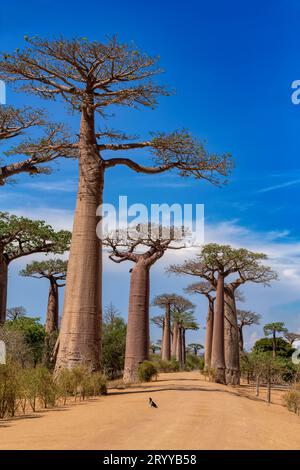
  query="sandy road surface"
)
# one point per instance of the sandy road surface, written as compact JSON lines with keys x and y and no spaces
{"x":192,"y":414}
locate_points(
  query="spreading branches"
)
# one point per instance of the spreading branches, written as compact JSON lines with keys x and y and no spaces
{"x":20,"y":236}
{"x":84,"y":72}
{"x":53,"y":144}
{"x":13,"y":121}
{"x":145,"y":241}
{"x":53,"y":269}
{"x":175,"y":151}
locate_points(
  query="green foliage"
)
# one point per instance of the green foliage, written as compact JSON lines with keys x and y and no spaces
{"x":56,"y":268}
{"x":34,"y":334}
{"x":146,"y":371}
{"x":113,"y":343}
{"x":194,"y":362}
{"x":277,"y":327}
{"x":283,"y":348}
{"x":9,"y":389}
{"x":21,"y":236}
{"x":15,"y":312}
{"x":165,"y":366}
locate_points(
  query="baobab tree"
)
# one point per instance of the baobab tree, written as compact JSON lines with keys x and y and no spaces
{"x":195,"y":347}
{"x":20,"y":236}
{"x":291,"y":337}
{"x":272,"y":329}
{"x":184,"y":319}
{"x":214,"y":264}
{"x":14,"y":313}
{"x":91,"y":77}
{"x":207,"y":289}
{"x":54,"y":270}
{"x":165,"y":301}
{"x":144,"y":247}
{"x":54,"y":143}
{"x":246,"y":318}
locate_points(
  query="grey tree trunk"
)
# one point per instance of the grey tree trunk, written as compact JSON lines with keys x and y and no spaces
{"x":209,"y":335}
{"x":3,"y":287}
{"x":183,"y":347}
{"x":231,"y":339}
{"x":241,"y":339}
{"x":79,"y":341}
{"x":174,"y":339}
{"x":217,"y":354}
{"x":52,"y":308}
{"x":137,"y":337}
{"x":179,"y":347}
{"x":166,"y":343}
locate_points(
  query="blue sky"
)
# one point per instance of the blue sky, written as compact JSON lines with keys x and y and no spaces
{"x":232,"y":64}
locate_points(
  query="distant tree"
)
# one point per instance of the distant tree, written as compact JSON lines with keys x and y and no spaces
{"x":195,"y":347}
{"x":55,"y":271}
{"x":184,"y":319}
{"x":246,"y":318}
{"x":34,"y":334}
{"x":291,"y":337}
{"x":154,"y":348}
{"x":20,"y":236}
{"x":113,"y":342}
{"x":272,"y":329}
{"x":15,"y":312}
{"x":166,"y":301}
{"x":283,"y":348}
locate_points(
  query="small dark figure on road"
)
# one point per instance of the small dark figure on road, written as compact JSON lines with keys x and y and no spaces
{"x":152,"y":404}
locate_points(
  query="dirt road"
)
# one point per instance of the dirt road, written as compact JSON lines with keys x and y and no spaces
{"x":192,"y":414}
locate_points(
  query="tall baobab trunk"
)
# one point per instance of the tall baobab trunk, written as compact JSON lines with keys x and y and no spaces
{"x":183,"y":347}
{"x":231,"y":339}
{"x":80,"y":334}
{"x":137,"y":337}
{"x":209,"y":335}
{"x":52,"y":308}
{"x":217,"y":353}
{"x":241,"y":339}
{"x":3,"y":287}
{"x":179,"y":357}
{"x":162,"y":339}
{"x":166,"y":343}
{"x":174,"y":339}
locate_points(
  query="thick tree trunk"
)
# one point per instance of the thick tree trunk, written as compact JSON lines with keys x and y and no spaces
{"x":166,"y":343}
{"x":174,"y":339}
{"x":80,"y":333}
{"x":52,"y":309}
{"x":231,"y":339}
{"x":241,"y":339}
{"x":209,"y":335}
{"x":183,"y":347}
{"x":3,"y":287}
{"x":217,"y":354}
{"x":162,"y":339}
{"x":179,"y":347}
{"x":137,"y":337}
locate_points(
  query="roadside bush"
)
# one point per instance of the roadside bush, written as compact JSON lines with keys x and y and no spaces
{"x":193,"y":362}
{"x":146,"y":371}
{"x":165,"y":366}
{"x":9,"y":389}
{"x":291,"y":399}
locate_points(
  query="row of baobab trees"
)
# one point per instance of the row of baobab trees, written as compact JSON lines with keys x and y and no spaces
{"x":92,"y":79}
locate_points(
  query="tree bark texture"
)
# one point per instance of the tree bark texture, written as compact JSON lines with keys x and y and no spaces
{"x":209,"y":335}
{"x":3,"y":287}
{"x":166,"y":343}
{"x":52,"y":308}
{"x":231,"y":339}
{"x":217,"y":354}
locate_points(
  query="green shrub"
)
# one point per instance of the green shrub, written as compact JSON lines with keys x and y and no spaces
{"x":146,"y":371}
{"x":9,"y":389}
{"x":194,"y":362}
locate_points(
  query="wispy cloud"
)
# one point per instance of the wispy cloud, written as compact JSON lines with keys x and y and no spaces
{"x":66,"y":186}
{"x":279,"y":186}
